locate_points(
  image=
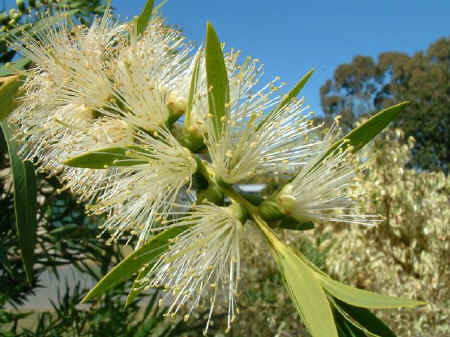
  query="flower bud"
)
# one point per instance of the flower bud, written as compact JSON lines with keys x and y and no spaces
{"x":270,"y":210}
{"x":285,"y":200}
{"x":177,"y":104}
{"x":213,"y":194}
{"x":238,"y":212}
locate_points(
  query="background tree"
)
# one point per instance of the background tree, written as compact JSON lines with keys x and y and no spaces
{"x":365,"y":85}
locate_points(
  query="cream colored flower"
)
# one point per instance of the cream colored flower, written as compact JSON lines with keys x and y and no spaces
{"x":322,"y":191}
{"x":202,"y":262}
{"x":151,"y":77}
{"x":252,"y":142}
{"x":141,"y":197}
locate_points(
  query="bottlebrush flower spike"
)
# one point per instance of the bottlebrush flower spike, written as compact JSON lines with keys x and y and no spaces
{"x":141,"y":197}
{"x":66,"y":85}
{"x":322,"y":191}
{"x":203,"y":262}
{"x":151,"y":77}
{"x":246,"y":149}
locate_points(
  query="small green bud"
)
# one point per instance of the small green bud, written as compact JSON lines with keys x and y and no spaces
{"x":270,"y":210}
{"x":213,"y":194}
{"x":177,"y":104}
{"x":239,"y":212}
{"x":285,"y":201}
{"x":190,"y":138}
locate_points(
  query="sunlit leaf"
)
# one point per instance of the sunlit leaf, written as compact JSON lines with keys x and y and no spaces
{"x":360,"y":320}
{"x":11,"y":68}
{"x":9,"y":88}
{"x":135,"y":288}
{"x":216,"y":78}
{"x":107,"y":157}
{"x":133,"y":263}
{"x":193,"y":89}
{"x":364,"y":133}
{"x":363,"y":298}
{"x":144,"y":18}
{"x":24,"y":201}
{"x":303,"y":286}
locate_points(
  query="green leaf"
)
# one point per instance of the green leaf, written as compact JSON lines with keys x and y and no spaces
{"x":9,"y":88}
{"x":364,"y":133}
{"x":363,"y":298}
{"x":288,"y":98}
{"x":290,"y":223}
{"x":140,"y":258}
{"x":303,"y":286}
{"x":11,"y":68}
{"x":193,"y":89}
{"x":144,"y":18}
{"x":107,"y":157}
{"x":345,"y":328}
{"x":24,"y":201}
{"x":135,"y":288}
{"x":216,"y":78}
{"x":4,"y":262}
{"x":361,"y":320}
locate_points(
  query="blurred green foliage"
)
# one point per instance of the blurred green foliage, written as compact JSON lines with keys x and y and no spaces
{"x":27,"y":14}
{"x":366,"y":85}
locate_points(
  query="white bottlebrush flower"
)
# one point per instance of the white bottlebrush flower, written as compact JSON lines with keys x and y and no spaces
{"x":66,"y":85}
{"x":201,"y":262}
{"x":150,"y":77}
{"x":323,"y":191}
{"x":142,"y":196}
{"x":246,"y":147}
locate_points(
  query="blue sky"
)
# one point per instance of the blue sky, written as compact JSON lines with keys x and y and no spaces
{"x":292,"y":36}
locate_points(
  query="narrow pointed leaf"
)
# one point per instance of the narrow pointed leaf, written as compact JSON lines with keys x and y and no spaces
{"x":362,"y":319}
{"x":4,"y":262}
{"x":345,"y":328}
{"x":288,"y":98}
{"x":291,"y":223}
{"x":9,"y":89}
{"x":303,"y":287}
{"x":105,"y":158}
{"x":24,"y":201}
{"x":216,"y":78}
{"x":11,"y":68}
{"x":364,"y":133}
{"x":144,"y":18}
{"x":193,"y":89}
{"x":159,"y":6}
{"x":135,"y":288}
{"x":363,"y":298}
{"x":140,"y":258}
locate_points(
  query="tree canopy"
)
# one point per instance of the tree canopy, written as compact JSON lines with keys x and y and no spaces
{"x":366,"y":85}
